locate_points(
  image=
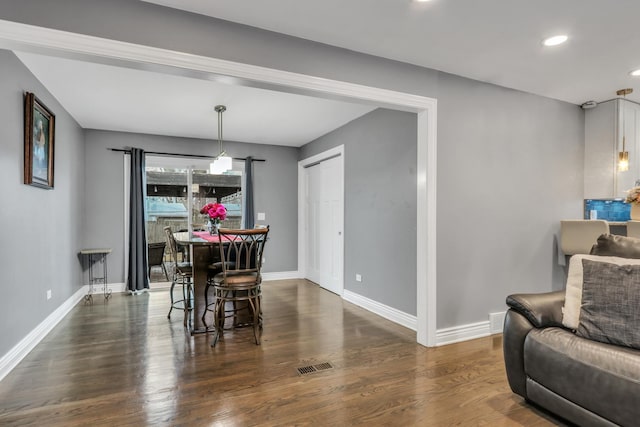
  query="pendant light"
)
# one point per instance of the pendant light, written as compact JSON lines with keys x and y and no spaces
{"x":623,"y":156}
{"x":222,"y":162}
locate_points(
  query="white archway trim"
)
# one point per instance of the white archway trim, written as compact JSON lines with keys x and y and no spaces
{"x":17,"y":36}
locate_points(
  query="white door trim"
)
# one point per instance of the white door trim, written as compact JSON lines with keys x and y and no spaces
{"x":31,"y":38}
{"x":302,"y":207}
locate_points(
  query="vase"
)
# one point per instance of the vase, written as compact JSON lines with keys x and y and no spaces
{"x":213,"y":227}
{"x":635,"y":212}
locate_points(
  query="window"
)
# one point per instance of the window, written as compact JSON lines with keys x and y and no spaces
{"x":177,"y":188}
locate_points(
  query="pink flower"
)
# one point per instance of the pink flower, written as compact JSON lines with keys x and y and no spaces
{"x":206,"y":208}
{"x":215,"y":211}
{"x":221,"y":211}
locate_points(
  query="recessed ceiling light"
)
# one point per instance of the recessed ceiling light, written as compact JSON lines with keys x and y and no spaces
{"x":635,"y":73}
{"x":421,"y":1}
{"x":555,"y":40}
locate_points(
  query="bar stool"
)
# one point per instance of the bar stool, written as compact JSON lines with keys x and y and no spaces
{"x":577,"y":236}
{"x":241,"y":253}
{"x":633,"y":229}
{"x":182,"y":273}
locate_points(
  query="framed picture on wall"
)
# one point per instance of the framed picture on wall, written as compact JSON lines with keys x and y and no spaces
{"x":39,"y":142}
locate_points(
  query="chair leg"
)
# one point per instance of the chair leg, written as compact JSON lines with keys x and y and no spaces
{"x":173,"y":285}
{"x":257,"y":328}
{"x":206,"y":305}
{"x":190,"y":299}
{"x":185,"y":295}
{"x":164,"y":268}
{"x":218,"y":318}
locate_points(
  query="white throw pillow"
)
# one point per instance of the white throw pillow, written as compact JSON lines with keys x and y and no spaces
{"x":573,"y":292}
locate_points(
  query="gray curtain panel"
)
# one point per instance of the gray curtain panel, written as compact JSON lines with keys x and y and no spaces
{"x":249,"y":221}
{"x":138,"y":278}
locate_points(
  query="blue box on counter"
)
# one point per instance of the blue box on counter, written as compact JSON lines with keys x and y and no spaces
{"x":607,"y":209}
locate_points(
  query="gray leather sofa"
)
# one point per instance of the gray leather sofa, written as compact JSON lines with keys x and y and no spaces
{"x":586,"y":382}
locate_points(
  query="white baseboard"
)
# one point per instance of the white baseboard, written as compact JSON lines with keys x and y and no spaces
{"x":11,"y":359}
{"x":389,"y":313}
{"x":443,"y":336}
{"x":115,"y":288}
{"x":462,"y":333}
{"x":281,"y":275}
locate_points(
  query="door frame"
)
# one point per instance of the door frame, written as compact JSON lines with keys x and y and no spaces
{"x":30,"y":38}
{"x":302,"y":208}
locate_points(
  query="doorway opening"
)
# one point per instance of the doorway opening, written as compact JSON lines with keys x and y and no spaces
{"x":36,"y":39}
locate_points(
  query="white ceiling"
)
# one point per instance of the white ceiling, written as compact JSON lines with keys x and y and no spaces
{"x":122,"y":99}
{"x":497,"y":41}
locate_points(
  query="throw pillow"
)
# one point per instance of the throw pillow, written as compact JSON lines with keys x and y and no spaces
{"x":610,"y":311}
{"x":615,"y":245}
{"x":573,"y":290}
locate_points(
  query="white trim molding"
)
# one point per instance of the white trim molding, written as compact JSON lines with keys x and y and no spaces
{"x":11,"y":359}
{"x":389,"y":313}
{"x":462,"y":333}
{"x":281,"y":275}
{"x":18,"y":36}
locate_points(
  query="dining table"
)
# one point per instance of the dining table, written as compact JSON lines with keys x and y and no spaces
{"x":205,"y":250}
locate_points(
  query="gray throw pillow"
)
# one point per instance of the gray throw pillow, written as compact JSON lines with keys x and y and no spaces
{"x":610,"y":310}
{"x":615,"y":245}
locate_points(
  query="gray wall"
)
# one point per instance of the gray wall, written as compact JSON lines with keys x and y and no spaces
{"x":510,"y":165}
{"x":41,"y":229}
{"x":380,"y":204}
{"x":275,"y":187}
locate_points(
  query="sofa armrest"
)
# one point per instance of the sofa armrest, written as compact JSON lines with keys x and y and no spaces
{"x":542,"y":309}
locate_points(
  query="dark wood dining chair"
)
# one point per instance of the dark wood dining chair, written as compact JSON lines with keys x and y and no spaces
{"x":238,"y":285}
{"x":155,"y":255}
{"x":182,"y":273}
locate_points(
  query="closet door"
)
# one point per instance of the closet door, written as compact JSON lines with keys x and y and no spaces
{"x":324,"y":219}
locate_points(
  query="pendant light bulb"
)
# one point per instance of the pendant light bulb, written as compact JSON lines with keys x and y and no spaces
{"x":623,"y":161}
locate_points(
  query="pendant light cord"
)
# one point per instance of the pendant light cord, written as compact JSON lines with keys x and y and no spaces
{"x":220,"y":109}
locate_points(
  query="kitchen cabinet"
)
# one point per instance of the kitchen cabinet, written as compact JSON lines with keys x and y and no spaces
{"x":605,"y":126}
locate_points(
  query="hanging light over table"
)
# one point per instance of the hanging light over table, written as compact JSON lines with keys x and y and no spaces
{"x":623,"y":156}
{"x":222,"y":162}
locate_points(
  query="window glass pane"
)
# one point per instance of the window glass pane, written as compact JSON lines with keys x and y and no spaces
{"x":168,"y":203}
{"x":225,"y":189}
{"x":168,"y":195}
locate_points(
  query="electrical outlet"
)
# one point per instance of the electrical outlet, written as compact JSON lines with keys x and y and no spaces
{"x":496,"y":322}
{"x":49,"y":294}
{"x":358,"y":278}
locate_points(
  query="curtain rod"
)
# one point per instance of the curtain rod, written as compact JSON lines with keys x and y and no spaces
{"x":192,"y":156}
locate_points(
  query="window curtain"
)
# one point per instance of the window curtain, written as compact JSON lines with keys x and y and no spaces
{"x":249,"y":221}
{"x":138,"y":278}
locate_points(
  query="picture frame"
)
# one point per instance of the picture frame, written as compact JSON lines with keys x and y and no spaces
{"x":39,"y":143}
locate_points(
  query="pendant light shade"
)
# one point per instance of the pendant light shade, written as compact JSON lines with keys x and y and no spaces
{"x":623,"y":156}
{"x":623,"y":159}
{"x":222,"y":162}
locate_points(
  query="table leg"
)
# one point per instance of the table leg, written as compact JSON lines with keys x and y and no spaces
{"x":200,"y":262}
{"x":107,"y":292}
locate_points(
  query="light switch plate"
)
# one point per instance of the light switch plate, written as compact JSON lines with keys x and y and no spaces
{"x":261,"y":216}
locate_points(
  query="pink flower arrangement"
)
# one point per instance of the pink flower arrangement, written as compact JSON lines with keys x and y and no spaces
{"x":215,"y":211}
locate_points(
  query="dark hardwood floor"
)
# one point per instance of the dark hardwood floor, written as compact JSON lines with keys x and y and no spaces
{"x":122,"y":363}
